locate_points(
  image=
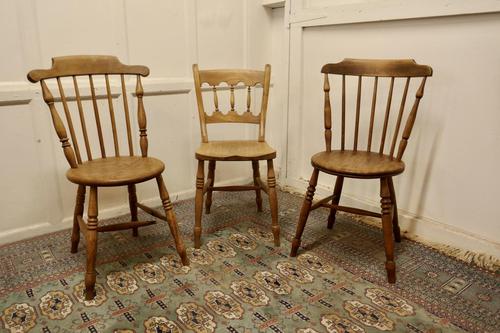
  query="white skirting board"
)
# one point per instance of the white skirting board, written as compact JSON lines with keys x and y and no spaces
{"x":446,"y":238}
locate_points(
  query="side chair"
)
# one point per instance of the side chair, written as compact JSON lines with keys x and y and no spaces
{"x":107,"y":169}
{"x":234,"y":150}
{"x":366,"y":163}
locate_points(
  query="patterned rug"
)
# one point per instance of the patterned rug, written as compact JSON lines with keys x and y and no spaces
{"x":238,"y":282}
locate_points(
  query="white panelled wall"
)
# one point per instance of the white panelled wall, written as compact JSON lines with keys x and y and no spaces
{"x":448,"y":191}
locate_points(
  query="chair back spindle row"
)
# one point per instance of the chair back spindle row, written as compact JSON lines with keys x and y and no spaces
{"x":91,"y":66}
{"x":392,"y":69}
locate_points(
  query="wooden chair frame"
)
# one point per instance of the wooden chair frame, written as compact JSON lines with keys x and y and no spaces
{"x":250,"y":78}
{"x":406,"y":69}
{"x":90,"y":66}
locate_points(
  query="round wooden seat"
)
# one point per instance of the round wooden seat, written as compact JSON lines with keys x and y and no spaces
{"x":116,"y":171}
{"x":235,"y":150}
{"x":357,"y":164}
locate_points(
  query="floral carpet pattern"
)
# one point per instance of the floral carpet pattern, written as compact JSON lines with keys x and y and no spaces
{"x":239,"y":282}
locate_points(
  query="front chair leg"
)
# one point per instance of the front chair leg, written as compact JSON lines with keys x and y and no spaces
{"x":210,"y":181}
{"x":337,"y":191}
{"x":75,"y":233}
{"x":273,"y":202}
{"x":395,"y":220}
{"x":198,"y":204}
{"x":91,"y":239}
{"x":256,"y":178}
{"x":172,"y":222}
{"x":132,"y":201}
{"x":385,"y":201}
{"x":304,"y":212}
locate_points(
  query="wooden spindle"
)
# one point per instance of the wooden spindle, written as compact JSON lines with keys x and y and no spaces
{"x":112,"y":115}
{"x":400,"y":116}
{"x":127,"y":116}
{"x":372,"y":115}
{"x":358,"y":106}
{"x":249,"y":98}
{"x":216,"y":99}
{"x":231,"y":100}
{"x":386,"y":119}
{"x":97,"y":118}
{"x":327,"y":115}
{"x":59,"y":126}
{"x":141,"y":117}
{"x":69,"y":121}
{"x":342,"y":141}
{"x":82,"y":118}
{"x":411,"y":120}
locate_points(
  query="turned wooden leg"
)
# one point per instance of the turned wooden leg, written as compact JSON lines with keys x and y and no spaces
{"x":273,"y":202}
{"x":172,"y":222}
{"x":91,"y":239}
{"x":256,"y":178}
{"x":337,"y":191}
{"x":385,"y":203}
{"x":395,"y":220}
{"x":210,"y":181}
{"x":304,"y":212}
{"x":132,"y":202}
{"x":75,"y":234}
{"x":198,"y":204}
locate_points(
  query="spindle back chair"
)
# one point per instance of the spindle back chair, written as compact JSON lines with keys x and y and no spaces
{"x":383,"y":163}
{"x":104,"y":170}
{"x":233,"y":150}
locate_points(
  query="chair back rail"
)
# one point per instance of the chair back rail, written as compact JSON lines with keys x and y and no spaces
{"x":90,"y":67}
{"x":232,"y":77}
{"x":363,"y":69}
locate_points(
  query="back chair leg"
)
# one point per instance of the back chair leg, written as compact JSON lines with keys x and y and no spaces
{"x":132,"y":201}
{"x":304,"y":212}
{"x":256,"y":178}
{"x":210,"y":183}
{"x":386,"y":205}
{"x":75,"y":234}
{"x":91,"y":239}
{"x":395,"y":220}
{"x":172,"y":222}
{"x":337,"y":191}
{"x":273,"y":202}
{"x":198,"y":205}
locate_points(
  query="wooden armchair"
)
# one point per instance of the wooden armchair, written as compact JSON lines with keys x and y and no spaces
{"x":104,"y":170}
{"x":360,"y":163}
{"x":250,"y":150}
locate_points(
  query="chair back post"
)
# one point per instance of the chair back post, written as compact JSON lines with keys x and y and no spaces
{"x":199,"y":100}
{"x":265,"y":100}
{"x":391,"y":69}
{"x":141,"y":117}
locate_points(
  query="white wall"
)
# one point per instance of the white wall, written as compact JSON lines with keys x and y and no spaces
{"x":449,"y":190}
{"x":168,"y":36}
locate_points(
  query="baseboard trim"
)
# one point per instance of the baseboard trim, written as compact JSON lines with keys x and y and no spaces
{"x":18,"y":234}
{"x":436,"y":234}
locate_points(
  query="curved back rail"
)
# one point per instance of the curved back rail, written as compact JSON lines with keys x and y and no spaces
{"x":378,"y":69}
{"x":90,"y":67}
{"x":233,"y":77}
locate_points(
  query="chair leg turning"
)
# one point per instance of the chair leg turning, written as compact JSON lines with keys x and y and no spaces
{"x":395,"y":220}
{"x":273,"y":202}
{"x":304,"y":212}
{"x":386,"y":205}
{"x":256,"y":178}
{"x":75,"y":234}
{"x":337,"y":191}
{"x":91,"y":238}
{"x":172,"y":222}
{"x":198,"y":205}
{"x":210,"y":181}
{"x":132,"y":201}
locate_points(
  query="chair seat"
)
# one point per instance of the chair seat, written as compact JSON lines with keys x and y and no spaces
{"x":237,"y":150}
{"x":116,"y":171}
{"x":357,"y":164}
